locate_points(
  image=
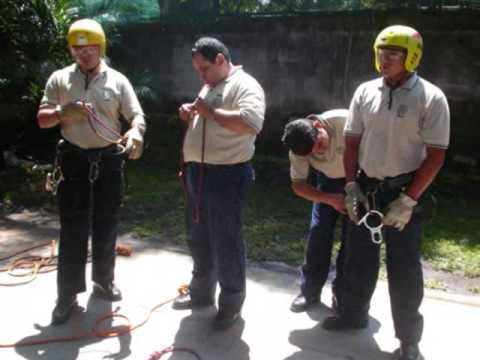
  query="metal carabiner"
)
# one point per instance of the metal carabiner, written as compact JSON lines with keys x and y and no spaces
{"x":94,"y":169}
{"x":373,"y":221}
{"x":54,"y":179}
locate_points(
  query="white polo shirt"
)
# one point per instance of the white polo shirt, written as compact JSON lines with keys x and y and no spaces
{"x":110,"y":93}
{"x":396,"y":125}
{"x":331,"y":161}
{"x":239,"y":91}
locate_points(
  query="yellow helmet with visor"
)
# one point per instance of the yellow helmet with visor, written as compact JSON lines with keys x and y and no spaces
{"x":87,"y":32}
{"x":404,"y":37}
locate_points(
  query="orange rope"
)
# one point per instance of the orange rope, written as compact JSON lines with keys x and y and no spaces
{"x":36,"y":264}
{"x":96,"y":332}
{"x":40,"y":264}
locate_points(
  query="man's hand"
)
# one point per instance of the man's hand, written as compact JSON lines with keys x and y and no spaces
{"x":337,"y":201}
{"x":133,"y":140}
{"x":73,"y":113}
{"x":399,"y":212}
{"x":203,"y":108}
{"x":187,"y":112}
{"x":353,"y":199}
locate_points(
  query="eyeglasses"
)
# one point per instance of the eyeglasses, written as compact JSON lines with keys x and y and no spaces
{"x":390,"y":55}
{"x":84,"y":50}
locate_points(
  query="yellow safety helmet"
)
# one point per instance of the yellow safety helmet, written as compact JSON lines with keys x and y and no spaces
{"x":404,"y":37}
{"x":87,"y":32}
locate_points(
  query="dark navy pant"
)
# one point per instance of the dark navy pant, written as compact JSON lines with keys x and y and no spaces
{"x":320,"y":240}
{"x":216,"y":199}
{"x":83,"y":212}
{"x":405,"y":277}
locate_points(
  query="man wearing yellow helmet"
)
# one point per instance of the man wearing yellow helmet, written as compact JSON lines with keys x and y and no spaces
{"x":86,"y":100}
{"x":396,"y":137}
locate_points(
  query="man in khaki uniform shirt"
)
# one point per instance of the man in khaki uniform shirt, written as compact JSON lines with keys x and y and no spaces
{"x":223,"y":123}
{"x":86,"y":100}
{"x":317,"y":143}
{"x":396,"y":137}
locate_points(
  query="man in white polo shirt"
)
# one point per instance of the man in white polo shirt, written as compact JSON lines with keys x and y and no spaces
{"x":317,"y":142}
{"x":396,"y":137}
{"x":86,"y":100}
{"x":223,"y":123}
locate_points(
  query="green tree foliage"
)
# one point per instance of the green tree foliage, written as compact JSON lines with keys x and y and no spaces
{"x":33,"y":44}
{"x":221,"y":7}
{"x":117,"y":11}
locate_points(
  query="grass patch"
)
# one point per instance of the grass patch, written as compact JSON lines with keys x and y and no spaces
{"x":452,"y":237}
{"x":276,"y":220}
{"x":23,"y":187}
{"x":435,"y":284}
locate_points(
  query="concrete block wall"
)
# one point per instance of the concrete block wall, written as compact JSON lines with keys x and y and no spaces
{"x":312,"y":63}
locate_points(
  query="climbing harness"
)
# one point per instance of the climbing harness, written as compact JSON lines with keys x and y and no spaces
{"x":55,"y":177}
{"x":373,"y":217}
{"x":373,"y":221}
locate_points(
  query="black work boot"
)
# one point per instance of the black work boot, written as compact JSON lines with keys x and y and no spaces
{"x":64,"y":309}
{"x":339,"y":323}
{"x":303,"y":303}
{"x":107,"y":292}
{"x":225,"y":319}
{"x":185,"y":302}
{"x":408,"y":351}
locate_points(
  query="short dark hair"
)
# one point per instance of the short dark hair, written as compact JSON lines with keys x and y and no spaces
{"x":209,"y":48}
{"x":299,"y":136}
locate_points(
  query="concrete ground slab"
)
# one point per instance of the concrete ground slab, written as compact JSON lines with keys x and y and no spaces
{"x":268,"y":330}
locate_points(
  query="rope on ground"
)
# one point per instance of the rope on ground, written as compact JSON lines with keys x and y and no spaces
{"x":39,"y":264}
{"x":32,"y":265}
{"x":108,"y":333}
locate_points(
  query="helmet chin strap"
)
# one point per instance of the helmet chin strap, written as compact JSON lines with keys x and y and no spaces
{"x":93,"y":69}
{"x":395,"y":83}
{"x":89,"y":73}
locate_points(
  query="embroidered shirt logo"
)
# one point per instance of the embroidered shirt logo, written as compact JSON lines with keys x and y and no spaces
{"x":402,"y":111}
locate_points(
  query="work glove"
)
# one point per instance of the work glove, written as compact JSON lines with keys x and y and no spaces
{"x":133,"y":143}
{"x":353,"y":199}
{"x":73,"y":112}
{"x":399,"y":212}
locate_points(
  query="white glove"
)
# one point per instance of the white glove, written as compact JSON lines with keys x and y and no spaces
{"x":399,"y":212}
{"x":134,"y":143}
{"x":71,"y":113}
{"x":354,"y":197}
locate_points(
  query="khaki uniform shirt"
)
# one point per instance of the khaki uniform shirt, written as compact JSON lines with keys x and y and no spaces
{"x":110,"y":93}
{"x":239,"y":91}
{"x":331,"y":161}
{"x":397,"y":125}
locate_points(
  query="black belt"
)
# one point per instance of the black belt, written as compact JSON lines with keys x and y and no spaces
{"x":393,"y":183}
{"x":217,"y":166}
{"x":64,"y":145}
